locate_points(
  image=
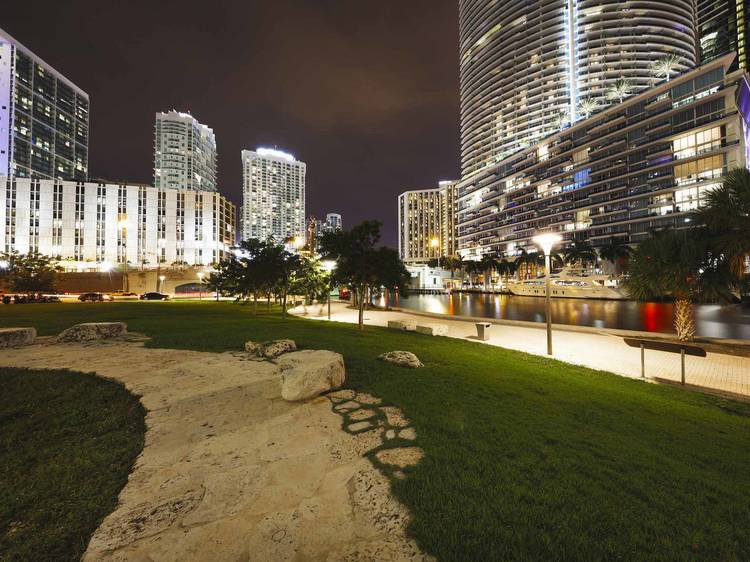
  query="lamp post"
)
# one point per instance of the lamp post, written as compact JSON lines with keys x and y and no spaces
{"x":329,"y":266}
{"x":546,"y":242}
{"x":161,"y":282}
{"x":200,"y":285}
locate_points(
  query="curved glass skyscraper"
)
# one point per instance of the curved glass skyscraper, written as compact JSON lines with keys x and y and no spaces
{"x":528,"y":67}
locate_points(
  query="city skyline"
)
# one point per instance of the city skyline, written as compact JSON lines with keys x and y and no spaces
{"x":389,"y":121}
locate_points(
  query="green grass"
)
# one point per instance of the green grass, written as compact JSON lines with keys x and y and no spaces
{"x":526,"y":458}
{"x":67,"y":444}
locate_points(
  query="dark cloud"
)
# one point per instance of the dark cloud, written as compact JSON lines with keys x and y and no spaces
{"x":365,"y":92}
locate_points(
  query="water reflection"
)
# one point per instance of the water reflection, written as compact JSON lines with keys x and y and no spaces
{"x":712,"y":320}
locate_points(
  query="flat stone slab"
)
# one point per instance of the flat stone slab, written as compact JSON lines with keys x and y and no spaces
{"x":405,"y":324}
{"x":307,"y":374}
{"x":91,"y":331}
{"x":433,"y":330}
{"x":16,"y":337}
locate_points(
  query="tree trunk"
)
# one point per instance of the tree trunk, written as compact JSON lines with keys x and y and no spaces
{"x":684,"y":319}
{"x":283,"y":303}
{"x":255,"y":303}
{"x":361,"y":297}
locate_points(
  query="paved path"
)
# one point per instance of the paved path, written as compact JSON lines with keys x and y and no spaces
{"x":229,"y":470}
{"x":725,"y":373}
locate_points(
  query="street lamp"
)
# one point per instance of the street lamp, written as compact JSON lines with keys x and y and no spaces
{"x":161,"y":282}
{"x":200,"y":285}
{"x":329,"y":266}
{"x":546,"y":242}
{"x":4,"y":264}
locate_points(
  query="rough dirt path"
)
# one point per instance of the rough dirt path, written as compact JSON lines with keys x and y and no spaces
{"x":230,"y":471}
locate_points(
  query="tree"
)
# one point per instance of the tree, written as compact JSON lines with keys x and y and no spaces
{"x":580,"y":253}
{"x":360,"y":265}
{"x":311,"y":282}
{"x":619,"y":90}
{"x":665,"y":65}
{"x":527,"y":261}
{"x":561,"y":119}
{"x":726,"y":215}
{"x":617,"y":252}
{"x":30,"y":273}
{"x":680,"y":264}
{"x":506,"y":268}
{"x":487,"y":264}
{"x":588,"y":106}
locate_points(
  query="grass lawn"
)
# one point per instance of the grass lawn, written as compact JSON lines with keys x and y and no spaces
{"x":67,"y":444}
{"x":526,"y":458}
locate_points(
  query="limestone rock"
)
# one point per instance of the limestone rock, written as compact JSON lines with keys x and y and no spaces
{"x":400,"y":456}
{"x":405,"y":324}
{"x":270,"y":349}
{"x":402,"y":358}
{"x":91,"y":331}
{"x":360,"y":426}
{"x":433,"y":330}
{"x":395,"y":417}
{"x":359,"y":415}
{"x":274,"y":349}
{"x":409,"y":434}
{"x":16,"y":337}
{"x":307,"y":374}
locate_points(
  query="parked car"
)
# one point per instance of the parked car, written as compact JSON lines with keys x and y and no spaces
{"x":154,"y":297}
{"x":93,"y":297}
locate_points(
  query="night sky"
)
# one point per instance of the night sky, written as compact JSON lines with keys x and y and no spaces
{"x":365,"y":92}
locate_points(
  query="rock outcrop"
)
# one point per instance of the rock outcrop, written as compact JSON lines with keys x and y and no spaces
{"x":402,"y":358}
{"x":16,"y":337}
{"x":307,"y":374}
{"x":93,"y":331}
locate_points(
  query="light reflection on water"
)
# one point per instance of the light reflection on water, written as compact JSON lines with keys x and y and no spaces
{"x":731,"y":321}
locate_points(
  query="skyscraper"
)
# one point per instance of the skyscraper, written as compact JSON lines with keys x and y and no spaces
{"x":527,"y":66}
{"x":44,"y":118}
{"x":427,"y":223}
{"x":184,"y":153}
{"x":722,"y":28}
{"x":333,"y":222}
{"x":273,"y":194}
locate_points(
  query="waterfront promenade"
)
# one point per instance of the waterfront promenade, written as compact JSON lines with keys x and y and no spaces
{"x":597,"y":350}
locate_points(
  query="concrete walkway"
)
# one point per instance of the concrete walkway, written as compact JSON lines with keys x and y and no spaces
{"x":717,"y":372}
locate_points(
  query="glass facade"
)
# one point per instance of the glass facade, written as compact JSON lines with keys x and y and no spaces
{"x":45,"y":118}
{"x":722,"y":29}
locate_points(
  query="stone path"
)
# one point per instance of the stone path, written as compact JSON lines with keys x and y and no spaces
{"x":724,"y":373}
{"x":231,"y":472}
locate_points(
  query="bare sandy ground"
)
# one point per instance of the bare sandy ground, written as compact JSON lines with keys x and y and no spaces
{"x":231,"y":472}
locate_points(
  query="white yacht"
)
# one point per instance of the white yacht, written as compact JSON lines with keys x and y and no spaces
{"x":573,"y":284}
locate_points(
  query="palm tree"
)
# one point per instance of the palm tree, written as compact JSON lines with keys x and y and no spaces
{"x":726,"y":214}
{"x":680,"y":264}
{"x":619,"y":90}
{"x":561,"y":119}
{"x":526,"y":261}
{"x":580,"y":253}
{"x":506,"y":268}
{"x":617,"y":252}
{"x":588,"y":106}
{"x":487,"y":264}
{"x":664,"y":66}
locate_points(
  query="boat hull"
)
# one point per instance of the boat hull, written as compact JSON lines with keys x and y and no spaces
{"x":539,"y":290}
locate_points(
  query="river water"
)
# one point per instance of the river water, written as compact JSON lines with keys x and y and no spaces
{"x":732,"y":321}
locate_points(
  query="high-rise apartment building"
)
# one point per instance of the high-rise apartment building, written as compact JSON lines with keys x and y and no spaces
{"x":637,"y":166}
{"x":44,"y":118}
{"x":184,"y":153}
{"x":723,"y":26}
{"x":427,"y":223}
{"x":97,"y":226}
{"x":273,"y":195}
{"x":333,"y":222}
{"x":527,"y":67}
